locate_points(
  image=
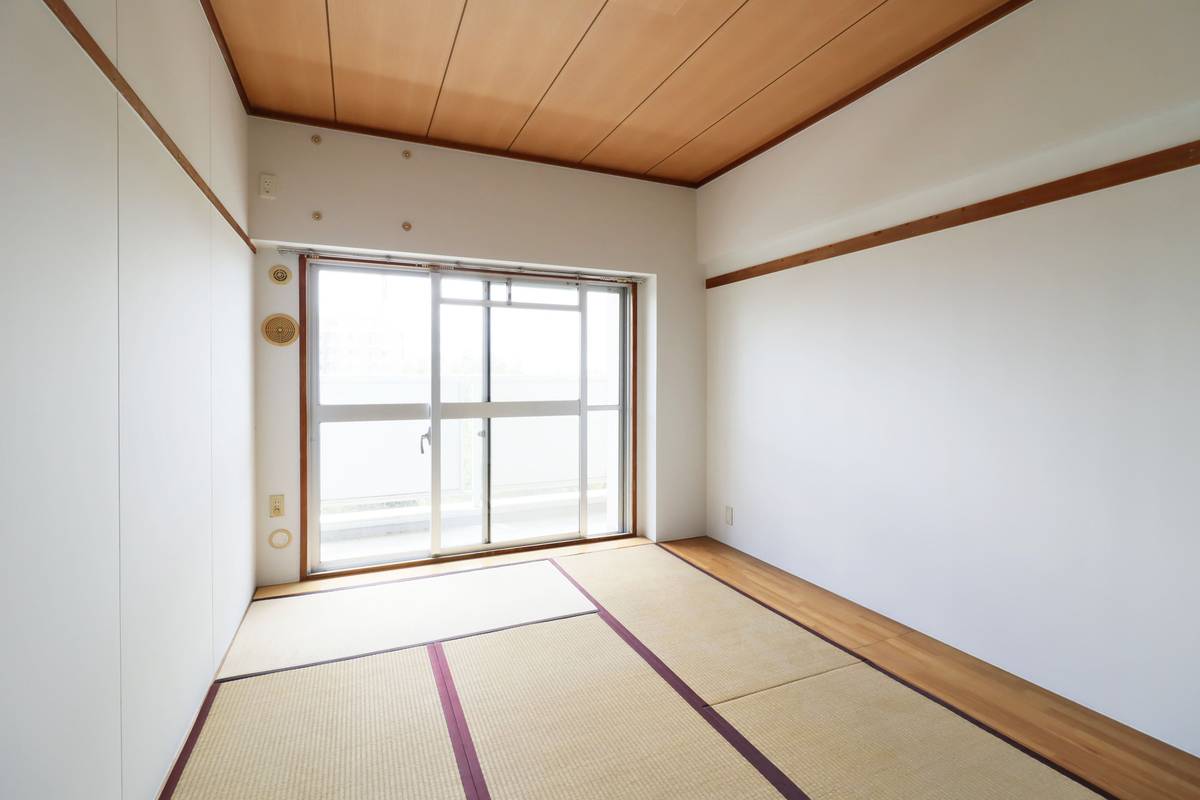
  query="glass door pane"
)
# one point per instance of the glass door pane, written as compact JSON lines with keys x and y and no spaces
{"x":373,"y":330}
{"x":375,"y":499}
{"x":464,"y":483}
{"x":603,"y":348}
{"x":535,"y":354}
{"x":604,"y":473}
{"x":520,"y":458}
{"x":535,"y":477}
{"x":462,"y":358}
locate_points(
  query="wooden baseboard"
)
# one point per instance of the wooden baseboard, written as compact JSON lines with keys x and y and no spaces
{"x":81,"y":35}
{"x":1134,"y":169}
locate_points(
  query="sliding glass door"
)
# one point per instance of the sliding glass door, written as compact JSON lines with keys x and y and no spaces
{"x":451,"y":414}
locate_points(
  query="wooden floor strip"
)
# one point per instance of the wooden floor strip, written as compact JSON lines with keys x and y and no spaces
{"x":1107,"y":754}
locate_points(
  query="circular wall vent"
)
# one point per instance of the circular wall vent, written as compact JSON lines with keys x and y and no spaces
{"x":280,"y":274}
{"x":280,"y":329}
{"x":279,"y":538}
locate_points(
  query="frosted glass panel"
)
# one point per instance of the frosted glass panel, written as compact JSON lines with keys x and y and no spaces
{"x":375,"y":499}
{"x":463,"y":487}
{"x":604,"y":473}
{"x":535,"y":477}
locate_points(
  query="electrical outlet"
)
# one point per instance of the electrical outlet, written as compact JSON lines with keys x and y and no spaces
{"x":728,"y":515}
{"x":267,"y":186}
{"x":276,"y":505}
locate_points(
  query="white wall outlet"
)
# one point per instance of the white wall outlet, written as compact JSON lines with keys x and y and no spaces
{"x":276,"y":505}
{"x":268,"y":185}
{"x":728,"y":515}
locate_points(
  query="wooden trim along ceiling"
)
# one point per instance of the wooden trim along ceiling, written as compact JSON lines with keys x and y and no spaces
{"x":1134,"y":169}
{"x":77,"y":30}
{"x":332,"y":84}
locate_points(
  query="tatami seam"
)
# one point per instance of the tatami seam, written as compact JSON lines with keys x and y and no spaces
{"x":856,"y":662}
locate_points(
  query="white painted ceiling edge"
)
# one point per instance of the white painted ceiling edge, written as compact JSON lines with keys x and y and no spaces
{"x":1038,"y":95}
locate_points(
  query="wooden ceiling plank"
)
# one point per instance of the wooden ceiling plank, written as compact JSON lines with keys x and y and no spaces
{"x":894,"y":33}
{"x":281,"y":51}
{"x":389,"y":57}
{"x":762,"y":41}
{"x":506,"y":57}
{"x":631,"y":49}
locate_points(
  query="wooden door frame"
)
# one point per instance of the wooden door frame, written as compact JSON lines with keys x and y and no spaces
{"x":305,"y":574}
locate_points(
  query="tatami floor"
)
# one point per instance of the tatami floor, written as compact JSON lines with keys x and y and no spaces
{"x":614,"y":670}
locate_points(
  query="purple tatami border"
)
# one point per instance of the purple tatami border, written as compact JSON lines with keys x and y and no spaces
{"x":928,"y":696}
{"x":469,"y":769}
{"x":397,"y":648}
{"x":774,"y":775}
{"x":190,"y":744}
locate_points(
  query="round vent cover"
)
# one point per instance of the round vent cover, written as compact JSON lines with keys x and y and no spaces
{"x":280,"y":274}
{"x":279,"y":538}
{"x":280,"y":329}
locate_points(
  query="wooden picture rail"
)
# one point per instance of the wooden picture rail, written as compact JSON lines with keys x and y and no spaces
{"x":1157,"y":163}
{"x":90,"y":46}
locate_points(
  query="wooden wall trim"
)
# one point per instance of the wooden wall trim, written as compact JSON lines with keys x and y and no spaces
{"x":1157,"y":163}
{"x":895,"y":72}
{"x":78,"y":32}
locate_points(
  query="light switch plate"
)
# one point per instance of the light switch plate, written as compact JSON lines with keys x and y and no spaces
{"x":276,"y":505}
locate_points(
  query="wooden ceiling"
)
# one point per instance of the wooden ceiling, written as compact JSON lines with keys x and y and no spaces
{"x":672,"y":90}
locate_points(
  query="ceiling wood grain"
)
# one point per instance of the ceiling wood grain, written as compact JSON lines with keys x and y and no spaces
{"x":613,"y":70}
{"x":389,"y":57}
{"x":281,"y":51}
{"x":671,"y":90}
{"x":889,"y":35}
{"x":764,"y":39}
{"x":507,"y":55}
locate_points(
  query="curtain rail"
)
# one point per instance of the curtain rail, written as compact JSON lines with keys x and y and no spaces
{"x":447,"y":267}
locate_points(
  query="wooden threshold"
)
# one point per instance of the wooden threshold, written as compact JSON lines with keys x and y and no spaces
{"x":1134,"y":169}
{"x":446,"y":564}
{"x":1118,"y":759}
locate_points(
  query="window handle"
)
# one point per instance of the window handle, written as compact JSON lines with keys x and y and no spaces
{"x":427,"y":436}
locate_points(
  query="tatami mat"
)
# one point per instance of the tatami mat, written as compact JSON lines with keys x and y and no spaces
{"x":369,"y":729}
{"x":567,"y":709}
{"x":291,"y":631}
{"x":857,"y":734}
{"x":720,"y":643}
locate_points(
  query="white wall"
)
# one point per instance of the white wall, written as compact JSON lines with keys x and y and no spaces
{"x":1041,"y":94}
{"x":127,"y":458}
{"x":469,"y":206}
{"x":60,"y":617}
{"x":986,"y":433}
